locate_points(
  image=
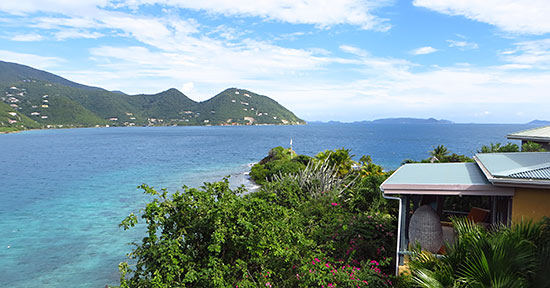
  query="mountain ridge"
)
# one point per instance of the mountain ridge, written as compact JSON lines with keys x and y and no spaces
{"x":52,"y":101}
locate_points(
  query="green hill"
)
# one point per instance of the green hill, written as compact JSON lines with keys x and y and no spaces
{"x":170,"y":106}
{"x":13,"y":72}
{"x":12,"y":120}
{"x":48,"y":100}
{"x":244,"y":107}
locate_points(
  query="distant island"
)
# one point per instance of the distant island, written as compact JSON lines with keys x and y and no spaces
{"x":539,"y":122}
{"x":411,"y":121}
{"x":33,"y":99}
{"x":391,"y":121}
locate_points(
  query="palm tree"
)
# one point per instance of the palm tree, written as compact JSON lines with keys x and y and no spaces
{"x":439,"y":152}
{"x":516,"y":256}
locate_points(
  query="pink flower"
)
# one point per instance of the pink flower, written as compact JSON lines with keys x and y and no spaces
{"x":317,"y":260}
{"x":268,"y":284}
{"x":334,"y":204}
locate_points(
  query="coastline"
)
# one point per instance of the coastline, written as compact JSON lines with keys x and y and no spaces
{"x":220,"y":125}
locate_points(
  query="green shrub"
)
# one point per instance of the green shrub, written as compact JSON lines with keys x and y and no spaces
{"x":217,"y":237}
{"x":516,"y":256}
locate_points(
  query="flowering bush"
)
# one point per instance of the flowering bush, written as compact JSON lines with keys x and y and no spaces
{"x":285,"y":235}
{"x":324,"y":273}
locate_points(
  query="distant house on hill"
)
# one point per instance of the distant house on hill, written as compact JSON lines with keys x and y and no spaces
{"x":510,"y":186}
{"x":539,"y":135}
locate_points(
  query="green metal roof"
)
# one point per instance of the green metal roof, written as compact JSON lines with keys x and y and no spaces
{"x":439,"y":173}
{"x":514,"y":165}
{"x":535,"y":134}
{"x":441,"y":179}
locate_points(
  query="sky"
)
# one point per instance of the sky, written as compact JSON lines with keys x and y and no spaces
{"x":344,"y":60}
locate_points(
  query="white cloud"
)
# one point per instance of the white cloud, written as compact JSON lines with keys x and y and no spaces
{"x":35,"y":61}
{"x":533,"y":53}
{"x":31,"y":37}
{"x":526,"y":16}
{"x":21,"y":7}
{"x":173,"y":52}
{"x":187,"y":87}
{"x":227,"y":33}
{"x":322,"y":13}
{"x":74,"y":33}
{"x":353,"y":50}
{"x":423,"y":50}
{"x":462,"y":44}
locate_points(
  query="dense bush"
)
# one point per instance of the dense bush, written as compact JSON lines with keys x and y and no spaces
{"x":278,"y":161}
{"x":294,"y":232}
{"x":516,"y":256}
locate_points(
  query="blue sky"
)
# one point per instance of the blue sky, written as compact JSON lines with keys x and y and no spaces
{"x":348,"y":60}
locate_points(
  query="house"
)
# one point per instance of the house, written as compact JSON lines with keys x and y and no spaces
{"x":539,"y":135}
{"x":528,"y":174}
{"x":513,"y":186}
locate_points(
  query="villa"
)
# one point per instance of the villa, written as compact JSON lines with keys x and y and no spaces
{"x":511,"y":186}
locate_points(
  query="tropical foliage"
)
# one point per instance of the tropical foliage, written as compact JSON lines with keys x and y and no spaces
{"x":532,"y":147}
{"x":499,"y":148}
{"x":311,"y":228}
{"x":516,"y":256}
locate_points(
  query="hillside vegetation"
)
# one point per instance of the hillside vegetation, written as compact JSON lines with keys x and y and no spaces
{"x":48,"y":100}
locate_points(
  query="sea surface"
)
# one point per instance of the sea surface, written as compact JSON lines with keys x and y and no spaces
{"x":64,"y":192}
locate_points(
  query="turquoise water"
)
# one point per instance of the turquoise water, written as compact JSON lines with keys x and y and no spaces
{"x":63,"y":192}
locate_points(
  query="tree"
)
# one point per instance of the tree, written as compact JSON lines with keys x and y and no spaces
{"x":213,"y":237}
{"x":532,"y":147}
{"x":439,"y":152}
{"x":312,"y":228}
{"x":498,"y":148}
{"x":339,"y":158}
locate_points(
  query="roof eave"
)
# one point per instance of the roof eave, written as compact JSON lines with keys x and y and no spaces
{"x":522,"y":183}
{"x":443,"y":189}
{"x":528,"y":138}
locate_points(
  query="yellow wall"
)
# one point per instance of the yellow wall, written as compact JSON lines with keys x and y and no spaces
{"x":530,"y":204}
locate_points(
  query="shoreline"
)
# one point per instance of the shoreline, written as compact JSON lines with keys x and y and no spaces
{"x":91,"y":127}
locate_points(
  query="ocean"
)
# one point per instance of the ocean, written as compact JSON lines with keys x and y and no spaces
{"x":64,"y":192}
